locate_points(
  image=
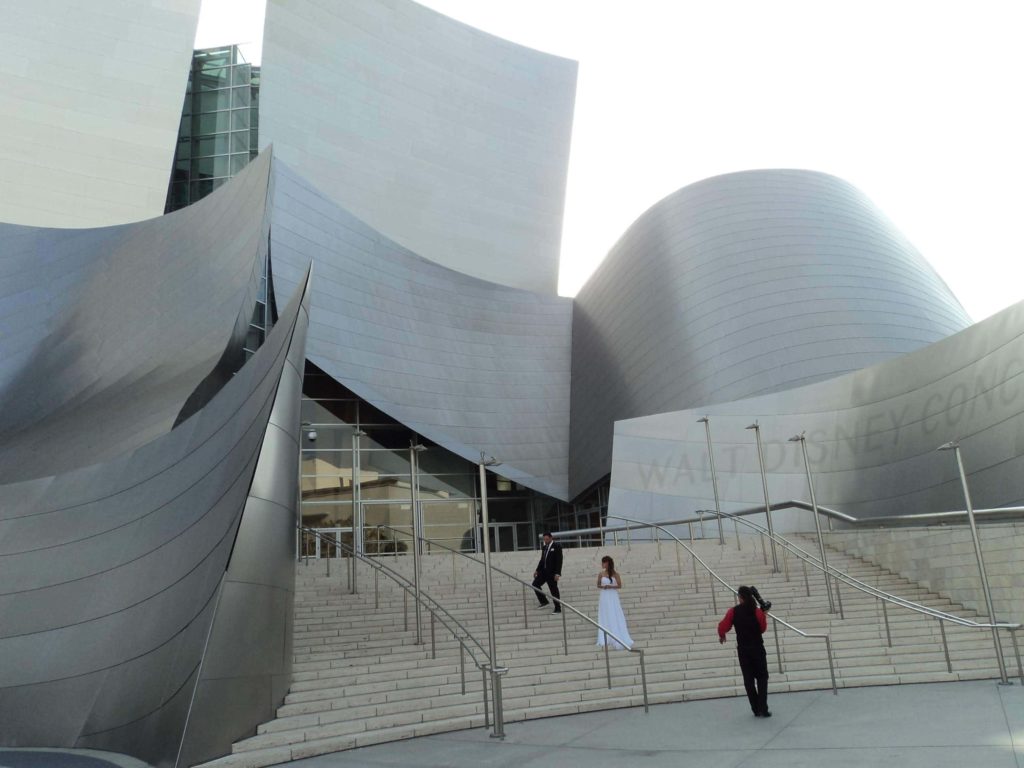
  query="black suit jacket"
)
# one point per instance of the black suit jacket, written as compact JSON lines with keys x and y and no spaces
{"x":554,"y":560}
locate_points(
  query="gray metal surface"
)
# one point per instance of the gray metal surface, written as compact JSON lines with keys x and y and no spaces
{"x":741,"y":285}
{"x":116,"y":525}
{"x":473,"y":366}
{"x":450,"y":141}
{"x":871,"y":436}
{"x":90,"y":107}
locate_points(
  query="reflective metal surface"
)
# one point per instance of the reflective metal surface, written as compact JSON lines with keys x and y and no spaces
{"x":742,"y":285}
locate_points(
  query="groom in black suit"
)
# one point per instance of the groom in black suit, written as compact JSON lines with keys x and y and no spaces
{"x":549,"y":571}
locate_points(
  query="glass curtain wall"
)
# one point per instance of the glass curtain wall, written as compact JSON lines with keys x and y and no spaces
{"x":219,"y":131}
{"x":380,"y":482}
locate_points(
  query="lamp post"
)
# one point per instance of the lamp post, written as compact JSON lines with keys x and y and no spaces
{"x":499,"y":726}
{"x":954,"y":446}
{"x":414,"y":449}
{"x":817,"y":523}
{"x":764,"y":486}
{"x":357,"y":506}
{"x":714,"y":479}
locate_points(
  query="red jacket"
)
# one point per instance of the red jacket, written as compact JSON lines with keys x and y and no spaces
{"x":726,"y":624}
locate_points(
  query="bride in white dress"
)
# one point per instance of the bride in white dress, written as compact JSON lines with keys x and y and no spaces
{"x":609,"y":610}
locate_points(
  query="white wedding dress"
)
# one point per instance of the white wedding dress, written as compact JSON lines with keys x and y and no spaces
{"x":609,"y":614}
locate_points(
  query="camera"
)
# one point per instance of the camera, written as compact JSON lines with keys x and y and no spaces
{"x":766,"y":605}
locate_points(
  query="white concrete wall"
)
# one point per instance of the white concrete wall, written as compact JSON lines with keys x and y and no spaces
{"x":447,"y":140}
{"x":943,"y":559}
{"x":90,"y":102}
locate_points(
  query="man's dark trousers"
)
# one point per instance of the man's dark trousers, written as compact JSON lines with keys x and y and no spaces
{"x":544,"y":577}
{"x":754,"y":666}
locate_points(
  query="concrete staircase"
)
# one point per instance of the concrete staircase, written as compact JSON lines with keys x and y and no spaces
{"x":360,"y":679}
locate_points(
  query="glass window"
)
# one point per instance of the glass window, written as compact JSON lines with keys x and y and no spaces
{"x":240,"y":97}
{"x":211,"y":101}
{"x":184,"y":148}
{"x":328,"y":411}
{"x":200,"y":189}
{"x":240,"y":119}
{"x":254,"y":338}
{"x":238,"y":162}
{"x":242,"y":74}
{"x":240,"y":141}
{"x":211,"y":79}
{"x":329,"y":515}
{"x":214,"y":122}
{"x":209,"y":167}
{"x":325,"y":462}
{"x":329,"y":437}
{"x":179,"y":196}
{"x":218,"y":144}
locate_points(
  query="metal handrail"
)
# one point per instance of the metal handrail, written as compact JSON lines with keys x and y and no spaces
{"x":559,"y":601}
{"x":723,"y":582}
{"x":407,"y":589}
{"x":830,"y":571}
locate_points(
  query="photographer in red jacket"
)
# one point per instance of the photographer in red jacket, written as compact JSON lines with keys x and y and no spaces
{"x":750,"y":623}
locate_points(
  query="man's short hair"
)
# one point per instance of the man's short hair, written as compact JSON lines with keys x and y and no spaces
{"x":547,"y":533}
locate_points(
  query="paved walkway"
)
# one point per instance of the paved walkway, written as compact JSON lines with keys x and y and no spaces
{"x":943,"y":724}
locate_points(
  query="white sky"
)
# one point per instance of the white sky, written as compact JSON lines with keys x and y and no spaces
{"x":916,"y":102}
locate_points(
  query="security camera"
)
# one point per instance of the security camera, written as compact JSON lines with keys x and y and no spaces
{"x":311,"y":435}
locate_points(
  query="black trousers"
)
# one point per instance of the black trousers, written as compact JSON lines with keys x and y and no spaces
{"x":543,"y":577}
{"x":754,"y":665}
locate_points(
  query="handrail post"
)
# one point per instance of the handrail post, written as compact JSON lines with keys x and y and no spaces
{"x":785,"y":562}
{"x":526,"y":620}
{"x":376,"y":589}
{"x":455,"y":578}
{"x":499,"y":712}
{"x":1016,"y":653}
{"x":643,"y":681}
{"x":778,"y":648}
{"x":433,"y":642}
{"x":955,"y":447}
{"x":764,"y":552}
{"x":657,"y":539}
{"x":714,"y":600}
{"x":462,"y":666}
{"x":831,"y":665}
{"x":696,"y":581}
{"x":679,"y":563}
{"x":817,"y":521}
{"x":706,"y":421}
{"x":489,"y":594}
{"x":839,"y":598}
{"x":487,"y":717}
{"x":358,"y":525}
{"x":413,"y":448}
{"x":945,"y":648}
{"x":767,"y":506}
{"x":405,"y":610}
{"x":885,"y":615}
{"x":607,"y":662}
{"x":629,"y":538}
{"x":328,"y":559}
{"x":565,"y":629}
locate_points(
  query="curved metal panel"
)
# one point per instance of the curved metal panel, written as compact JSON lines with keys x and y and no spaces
{"x":448,"y":140}
{"x":112,"y":568}
{"x":871,"y":436}
{"x":739,"y":285}
{"x":471,"y":365}
{"x":92,"y":93}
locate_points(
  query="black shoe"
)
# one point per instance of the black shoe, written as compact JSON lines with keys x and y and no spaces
{"x":557,"y":610}
{"x":766,"y":713}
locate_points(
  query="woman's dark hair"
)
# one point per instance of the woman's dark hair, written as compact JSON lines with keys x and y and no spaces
{"x":746,"y":597}
{"x":611,"y":565}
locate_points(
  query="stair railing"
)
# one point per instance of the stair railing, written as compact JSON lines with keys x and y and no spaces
{"x":438,"y":613}
{"x":885,"y":598}
{"x":713,"y":577}
{"x":528,"y":587}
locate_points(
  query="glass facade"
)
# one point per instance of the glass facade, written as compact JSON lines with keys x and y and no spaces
{"x":380,"y":481}
{"x":219,"y":124}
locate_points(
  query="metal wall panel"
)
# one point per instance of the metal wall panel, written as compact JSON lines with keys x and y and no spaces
{"x":90,"y":108}
{"x":450,"y":141}
{"x":473,"y":366}
{"x":871,"y":437}
{"x":739,"y":285}
{"x":112,"y":566}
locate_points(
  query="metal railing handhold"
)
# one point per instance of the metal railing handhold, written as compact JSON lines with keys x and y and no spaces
{"x":562,"y":604}
{"x":715,"y":577}
{"x":436,"y":610}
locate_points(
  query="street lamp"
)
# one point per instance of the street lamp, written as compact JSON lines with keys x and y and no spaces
{"x":357,"y":506}
{"x":764,"y":485}
{"x":817,"y":523}
{"x":499,"y":726}
{"x":954,"y":446}
{"x":415,"y":448}
{"x":714,"y":481}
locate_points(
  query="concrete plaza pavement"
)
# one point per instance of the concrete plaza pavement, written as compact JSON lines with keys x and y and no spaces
{"x":978,"y":723}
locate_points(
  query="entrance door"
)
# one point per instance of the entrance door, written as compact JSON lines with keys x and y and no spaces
{"x":503,"y":537}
